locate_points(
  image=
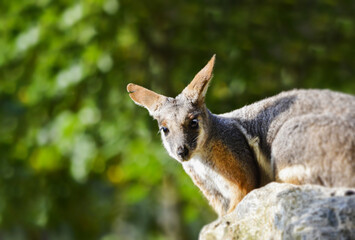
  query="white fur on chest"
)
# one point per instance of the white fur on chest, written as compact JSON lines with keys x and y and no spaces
{"x":207,"y":178}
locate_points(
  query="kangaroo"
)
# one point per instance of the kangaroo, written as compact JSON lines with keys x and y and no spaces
{"x":298,"y":137}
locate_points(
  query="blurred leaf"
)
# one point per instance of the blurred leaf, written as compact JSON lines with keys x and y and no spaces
{"x":45,"y":159}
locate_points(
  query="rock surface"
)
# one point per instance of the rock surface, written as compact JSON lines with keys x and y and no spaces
{"x":285,"y":211}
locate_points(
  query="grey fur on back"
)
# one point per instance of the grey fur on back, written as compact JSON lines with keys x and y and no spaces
{"x":299,"y":137}
{"x":309,"y":132}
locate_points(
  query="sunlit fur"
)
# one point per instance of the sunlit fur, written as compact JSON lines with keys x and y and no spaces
{"x":299,"y":137}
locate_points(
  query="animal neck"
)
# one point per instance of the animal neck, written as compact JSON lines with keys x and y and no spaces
{"x":223,"y":168}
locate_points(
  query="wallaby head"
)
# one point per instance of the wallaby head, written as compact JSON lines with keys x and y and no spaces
{"x":183,"y":120}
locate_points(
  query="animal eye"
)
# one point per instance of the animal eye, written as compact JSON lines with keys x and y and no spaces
{"x":165,"y":130}
{"x":194,"y":123}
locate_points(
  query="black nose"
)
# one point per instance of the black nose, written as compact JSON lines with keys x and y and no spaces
{"x":183,"y":152}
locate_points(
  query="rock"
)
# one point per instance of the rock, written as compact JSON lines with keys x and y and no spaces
{"x":286,"y":211}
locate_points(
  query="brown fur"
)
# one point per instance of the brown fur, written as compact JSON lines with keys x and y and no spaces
{"x":145,"y":97}
{"x":299,"y":137}
{"x":225,"y":163}
{"x":196,"y":90}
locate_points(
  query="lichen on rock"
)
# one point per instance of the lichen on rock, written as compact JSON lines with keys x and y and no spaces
{"x":286,"y":211}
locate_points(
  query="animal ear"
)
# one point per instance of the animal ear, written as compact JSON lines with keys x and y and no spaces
{"x":197,"y":89}
{"x":145,"y":98}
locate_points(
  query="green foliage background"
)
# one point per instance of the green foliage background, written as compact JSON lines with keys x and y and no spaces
{"x":78,"y":160}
